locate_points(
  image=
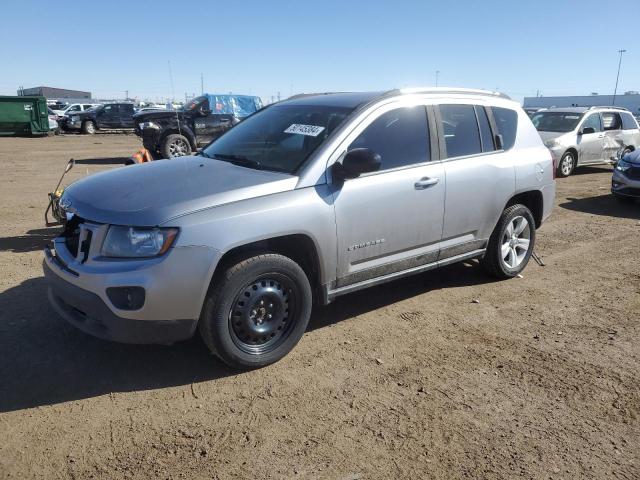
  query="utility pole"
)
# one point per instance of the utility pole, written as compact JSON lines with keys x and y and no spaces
{"x":615,"y":91}
{"x":126,"y":94}
{"x":201,"y":84}
{"x":437,"y":75}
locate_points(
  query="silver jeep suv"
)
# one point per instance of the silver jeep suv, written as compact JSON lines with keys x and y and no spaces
{"x":586,"y":135}
{"x":305,"y":200}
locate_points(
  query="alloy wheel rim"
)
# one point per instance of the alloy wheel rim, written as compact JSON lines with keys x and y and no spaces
{"x":178,"y":148}
{"x":567,"y":164}
{"x":516,"y":241}
{"x":263,"y":314}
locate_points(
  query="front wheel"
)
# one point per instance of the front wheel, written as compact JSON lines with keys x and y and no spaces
{"x":256,"y":311}
{"x":511,"y":243}
{"x":89,"y":127}
{"x":567,"y":164}
{"x":175,"y":145}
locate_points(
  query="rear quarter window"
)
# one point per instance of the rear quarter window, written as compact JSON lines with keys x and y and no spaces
{"x":507,"y":124}
{"x":628,"y":122}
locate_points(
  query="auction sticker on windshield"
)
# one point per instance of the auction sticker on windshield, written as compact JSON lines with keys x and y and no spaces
{"x":310,"y":130}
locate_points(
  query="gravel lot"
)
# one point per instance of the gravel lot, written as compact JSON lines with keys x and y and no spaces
{"x":540,"y":378}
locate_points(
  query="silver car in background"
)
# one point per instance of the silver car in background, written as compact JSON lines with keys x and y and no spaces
{"x":586,"y":135}
{"x":304,"y":201}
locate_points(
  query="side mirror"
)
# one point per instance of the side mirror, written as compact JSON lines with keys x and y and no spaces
{"x":356,"y":162}
{"x":203,"y":110}
{"x":587,"y":130}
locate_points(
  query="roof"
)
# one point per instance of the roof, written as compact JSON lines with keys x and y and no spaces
{"x":356,"y":99}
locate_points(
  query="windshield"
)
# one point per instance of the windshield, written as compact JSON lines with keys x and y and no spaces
{"x":555,"y":121}
{"x":278,"y":138}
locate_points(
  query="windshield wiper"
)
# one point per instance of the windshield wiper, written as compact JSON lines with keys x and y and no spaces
{"x":238,"y":160}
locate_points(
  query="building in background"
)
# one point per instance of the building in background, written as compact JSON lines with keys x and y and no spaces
{"x":54,"y":93}
{"x":629,"y":100}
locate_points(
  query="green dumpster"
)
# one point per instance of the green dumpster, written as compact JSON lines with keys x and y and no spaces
{"x":23,"y":116}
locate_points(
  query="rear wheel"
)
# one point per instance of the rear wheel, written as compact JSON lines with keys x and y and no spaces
{"x":511,"y":243}
{"x":567,"y":164}
{"x":256,"y":311}
{"x":89,"y":127}
{"x":175,"y":145}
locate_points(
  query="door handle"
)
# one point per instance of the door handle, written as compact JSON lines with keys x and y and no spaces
{"x":601,"y":136}
{"x":425,"y":182}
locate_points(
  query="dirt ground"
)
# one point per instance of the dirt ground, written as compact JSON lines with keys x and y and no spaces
{"x":540,"y":378}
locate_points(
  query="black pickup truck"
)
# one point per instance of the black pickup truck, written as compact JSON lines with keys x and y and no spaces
{"x":174,"y":133}
{"x":110,"y":116}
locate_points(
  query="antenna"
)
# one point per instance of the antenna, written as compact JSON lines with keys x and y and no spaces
{"x":173,"y":96}
{"x":201,"y":84}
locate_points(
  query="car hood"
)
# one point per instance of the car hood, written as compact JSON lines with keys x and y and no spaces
{"x":152,"y":193}
{"x":550,"y":135}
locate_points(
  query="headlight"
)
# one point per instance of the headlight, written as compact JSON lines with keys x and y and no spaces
{"x":144,"y":125}
{"x":552,"y":143}
{"x":73,"y":118}
{"x":137,"y":242}
{"x":623,"y":166}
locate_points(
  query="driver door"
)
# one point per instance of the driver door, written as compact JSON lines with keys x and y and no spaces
{"x":591,"y":145}
{"x":108,"y":117}
{"x":390,"y":220}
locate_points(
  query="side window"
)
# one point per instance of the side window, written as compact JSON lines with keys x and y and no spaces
{"x":611,"y":121}
{"x":126,"y":109}
{"x":507,"y":125}
{"x":628,"y":122}
{"x":400,"y":136}
{"x":110,"y":110}
{"x":460,"y":129}
{"x":485,"y":130}
{"x":593,"y":121}
{"x":75,"y":108}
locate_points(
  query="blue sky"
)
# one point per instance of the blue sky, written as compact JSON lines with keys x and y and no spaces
{"x":262,"y":47}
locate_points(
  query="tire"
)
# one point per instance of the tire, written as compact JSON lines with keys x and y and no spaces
{"x":567,"y":164}
{"x":256,"y":311}
{"x":624,"y":200}
{"x":175,"y":145}
{"x":88,"y":127}
{"x":506,"y":255}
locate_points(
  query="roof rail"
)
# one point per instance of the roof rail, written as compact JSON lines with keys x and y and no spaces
{"x":447,"y":90}
{"x":609,"y":107}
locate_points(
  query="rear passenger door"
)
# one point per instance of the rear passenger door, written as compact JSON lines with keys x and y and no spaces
{"x":613,"y":137}
{"x":480,"y":175}
{"x":391,"y":220}
{"x":126,"y":115}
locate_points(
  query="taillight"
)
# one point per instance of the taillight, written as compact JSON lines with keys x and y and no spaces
{"x":553,"y":167}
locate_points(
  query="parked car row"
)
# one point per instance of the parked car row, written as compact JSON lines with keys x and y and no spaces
{"x":579,"y":136}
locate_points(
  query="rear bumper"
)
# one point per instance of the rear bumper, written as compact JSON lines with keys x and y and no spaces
{"x":88,"y":312}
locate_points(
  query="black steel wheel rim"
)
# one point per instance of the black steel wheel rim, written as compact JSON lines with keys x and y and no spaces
{"x":264,"y":313}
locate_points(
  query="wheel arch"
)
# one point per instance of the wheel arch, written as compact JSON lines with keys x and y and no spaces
{"x":533,"y":200}
{"x":299,"y":247}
